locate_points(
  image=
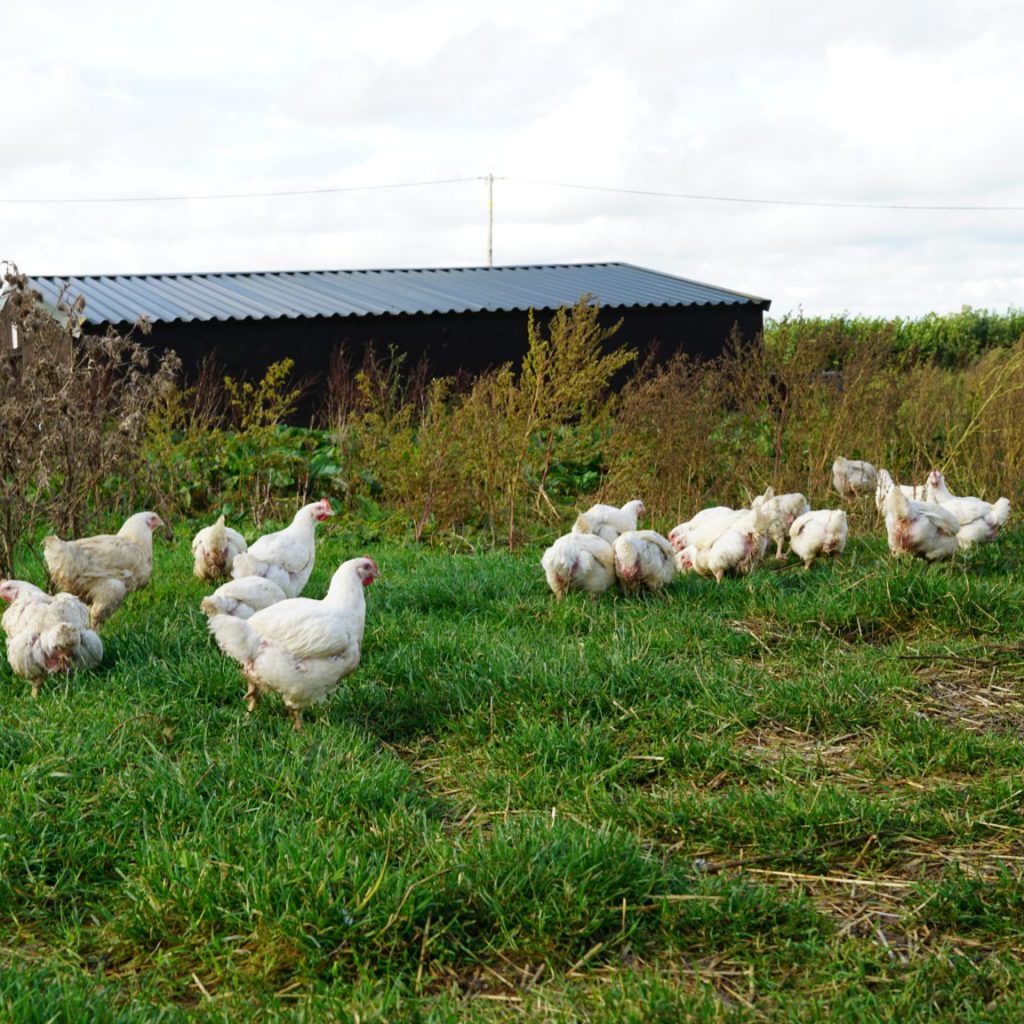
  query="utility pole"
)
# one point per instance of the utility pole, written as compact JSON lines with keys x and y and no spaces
{"x":490,"y":220}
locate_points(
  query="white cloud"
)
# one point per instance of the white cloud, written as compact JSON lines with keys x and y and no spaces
{"x":878,"y":103}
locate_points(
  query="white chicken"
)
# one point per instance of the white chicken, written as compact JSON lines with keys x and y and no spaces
{"x":299,"y":647}
{"x":679,"y":536}
{"x":781,"y":510}
{"x":916,"y":492}
{"x":851,"y":477}
{"x":687,"y":561}
{"x":287,"y":556}
{"x":919,"y":528}
{"x":752,"y":521}
{"x":729,"y":554}
{"x":46,"y":634}
{"x":20,"y":596}
{"x":579,"y":561}
{"x":979,"y":520}
{"x":34,"y":656}
{"x":243,"y":597}
{"x":608,"y":522}
{"x":821,"y":532}
{"x":938,"y":489}
{"x":102,"y":570}
{"x":30,"y":607}
{"x":643,"y":558}
{"x":214,"y":549}
{"x":736,"y":548}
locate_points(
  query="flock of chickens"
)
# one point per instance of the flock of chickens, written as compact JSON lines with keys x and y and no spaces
{"x":925,"y":520}
{"x":302,"y":648}
{"x":296,"y":646}
{"x":47,"y":634}
{"x":605,"y":544}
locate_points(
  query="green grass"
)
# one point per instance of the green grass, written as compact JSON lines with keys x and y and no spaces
{"x":796,"y":796}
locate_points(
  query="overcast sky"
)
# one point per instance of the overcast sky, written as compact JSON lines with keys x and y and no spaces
{"x":577,"y":107}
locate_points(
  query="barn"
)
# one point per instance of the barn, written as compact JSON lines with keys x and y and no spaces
{"x":460,"y":318}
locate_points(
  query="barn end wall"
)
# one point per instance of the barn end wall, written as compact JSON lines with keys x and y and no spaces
{"x":450,"y":343}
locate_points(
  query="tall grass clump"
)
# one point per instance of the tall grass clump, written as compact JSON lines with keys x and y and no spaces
{"x":763,"y":413}
{"x":563,"y":384}
{"x":395,"y":428}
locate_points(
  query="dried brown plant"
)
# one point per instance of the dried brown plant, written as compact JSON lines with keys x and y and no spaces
{"x":75,"y":409}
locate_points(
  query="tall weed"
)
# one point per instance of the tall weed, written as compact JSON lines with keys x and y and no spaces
{"x":75,"y":411}
{"x":483,"y":457}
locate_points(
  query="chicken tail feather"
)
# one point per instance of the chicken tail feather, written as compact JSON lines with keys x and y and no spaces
{"x":213,"y":605}
{"x":897,"y":503}
{"x":1000,"y":512}
{"x":56,"y":555}
{"x":235,"y":637}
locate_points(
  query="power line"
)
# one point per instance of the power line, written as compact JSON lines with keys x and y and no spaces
{"x":243,"y":195}
{"x":764,"y":202}
{"x":693,"y":196}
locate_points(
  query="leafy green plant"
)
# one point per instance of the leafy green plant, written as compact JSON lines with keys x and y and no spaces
{"x":254,"y":467}
{"x":564,"y":379}
{"x":450,"y":458}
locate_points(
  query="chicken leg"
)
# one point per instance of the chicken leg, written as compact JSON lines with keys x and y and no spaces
{"x":251,"y":698}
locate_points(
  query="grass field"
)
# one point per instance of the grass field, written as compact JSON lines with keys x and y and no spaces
{"x":794,"y":797}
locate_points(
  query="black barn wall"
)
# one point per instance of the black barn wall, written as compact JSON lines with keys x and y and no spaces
{"x":470,"y":342}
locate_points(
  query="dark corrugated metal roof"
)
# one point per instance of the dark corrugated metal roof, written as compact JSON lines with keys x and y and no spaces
{"x":162,"y":297}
